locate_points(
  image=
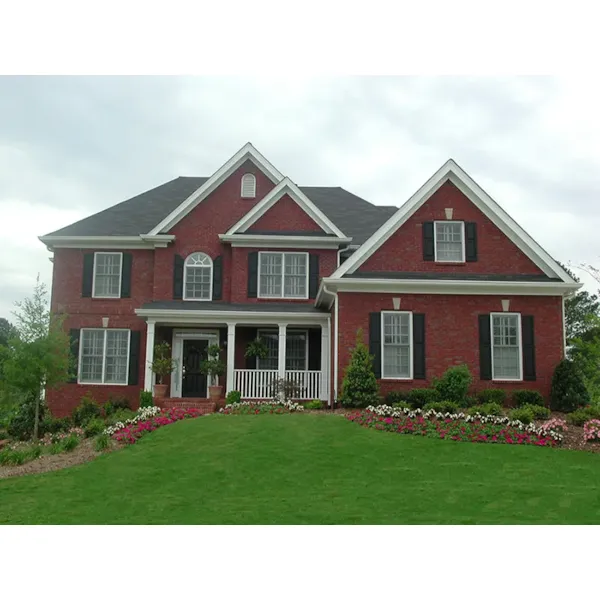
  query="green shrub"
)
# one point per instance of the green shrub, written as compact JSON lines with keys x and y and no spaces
{"x":497,"y":396}
{"x":540,"y":413}
{"x":490,"y":409}
{"x":102,"y":442}
{"x":522,"y":414}
{"x":469,"y":401}
{"x":453,"y":385}
{"x":396,"y":396}
{"x":15,"y":457}
{"x":522,"y":397}
{"x":146,"y":399}
{"x":419,"y":397}
{"x":21,"y":424}
{"x":70,"y":443}
{"x":86,"y":411}
{"x":233,"y":397}
{"x":314,"y":405}
{"x":56,"y":448}
{"x":568,"y":391}
{"x":402,"y":404}
{"x":120,"y":416}
{"x":51,"y":425}
{"x":108,"y":409}
{"x":581,"y":416}
{"x":443,"y":406}
{"x":359,"y":387}
{"x":94,"y":427}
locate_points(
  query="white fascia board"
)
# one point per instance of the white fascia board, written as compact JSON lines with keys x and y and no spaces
{"x":247,"y":152}
{"x":285,"y":186}
{"x":108,"y":242}
{"x":450,"y":171}
{"x":443,"y":286}
{"x":283,"y":241}
{"x":180,"y":316}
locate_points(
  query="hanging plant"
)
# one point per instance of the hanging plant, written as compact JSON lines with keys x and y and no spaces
{"x":257,"y":348}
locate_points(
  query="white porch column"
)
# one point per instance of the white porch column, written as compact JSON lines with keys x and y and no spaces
{"x":149,"y":375}
{"x":281,"y":362}
{"x":325,"y":356}
{"x":230,"y":358}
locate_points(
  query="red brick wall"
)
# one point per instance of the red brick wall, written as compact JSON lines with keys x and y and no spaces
{"x":403,"y":251}
{"x":452,"y":333}
{"x":285,"y":215}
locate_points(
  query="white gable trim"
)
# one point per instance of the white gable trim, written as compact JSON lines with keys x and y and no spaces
{"x":107,"y":242}
{"x":450,"y":171}
{"x":248,"y":152}
{"x":285,"y":186}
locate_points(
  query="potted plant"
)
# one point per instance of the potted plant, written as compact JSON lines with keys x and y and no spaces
{"x":214,"y":368}
{"x":257,"y":348}
{"x":163,"y":365}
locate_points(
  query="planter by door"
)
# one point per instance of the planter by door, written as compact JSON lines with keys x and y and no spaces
{"x":214,"y":392}
{"x":193,"y":382}
{"x":160,"y":390}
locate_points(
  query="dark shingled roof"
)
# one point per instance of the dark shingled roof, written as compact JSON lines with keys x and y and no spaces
{"x":448,"y":276}
{"x":290,"y":307}
{"x":356,"y":217}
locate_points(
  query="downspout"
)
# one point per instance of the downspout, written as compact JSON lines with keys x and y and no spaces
{"x":335,"y":344}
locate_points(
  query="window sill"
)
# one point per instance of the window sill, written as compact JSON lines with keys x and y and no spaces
{"x":507,"y":380}
{"x":107,"y":298}
{"x":449,"y":263}
{"x":97,"y":383}
{"x":396,"y":378}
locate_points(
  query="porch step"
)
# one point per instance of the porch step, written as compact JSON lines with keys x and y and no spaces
{"x":202,"y":404}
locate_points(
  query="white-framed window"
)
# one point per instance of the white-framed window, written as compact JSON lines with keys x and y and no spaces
{"x":396,"y":345}
{"x":283,"y":275}
{"x":296,"y":350}
{"x":107,"y":274}
{"x":197,"y":277}
{"x":507,"y":357}
{"x":104,"y":356}
{"x":449,"y":241}
{"x":248,"y":186}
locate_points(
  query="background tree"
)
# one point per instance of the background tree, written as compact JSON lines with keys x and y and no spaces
{"x":39,"y":356}
{"x":580,"y":312}
{"x":7,"y":331}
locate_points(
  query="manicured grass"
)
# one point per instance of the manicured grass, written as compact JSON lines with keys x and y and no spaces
{"x":309,"y":469}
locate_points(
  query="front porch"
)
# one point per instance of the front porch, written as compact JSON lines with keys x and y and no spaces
{"x":298,"y":352}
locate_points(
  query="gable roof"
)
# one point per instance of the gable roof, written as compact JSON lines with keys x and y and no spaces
{"x":451,"y":171}
{"x":286,"y":187}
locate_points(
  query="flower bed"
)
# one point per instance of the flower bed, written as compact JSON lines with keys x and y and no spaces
{"x":591,"y":431}
{"x":261,"y":408}
{"x":131,"y":431}
{"x":458,"y":427}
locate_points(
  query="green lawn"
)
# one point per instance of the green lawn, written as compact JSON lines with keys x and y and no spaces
{"x":309,"y":469}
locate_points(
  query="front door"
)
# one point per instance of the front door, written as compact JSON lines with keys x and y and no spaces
{"x":193,"y":384}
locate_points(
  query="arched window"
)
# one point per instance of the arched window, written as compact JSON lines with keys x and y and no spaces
{"x":248,"y":186}
{"x":197,"y":277}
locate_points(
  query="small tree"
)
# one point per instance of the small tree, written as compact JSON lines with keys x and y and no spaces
{"x":568,"y":391}
{"x":162,"y":361}
{"x":359,"y":387}
{"x":213,"y":366}
{"x":38,"y":357}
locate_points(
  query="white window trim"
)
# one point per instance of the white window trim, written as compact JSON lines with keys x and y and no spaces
{"x":464,"y":242}
{"x":267,"y":330}
{"x":520,"y":336}
{"x":94,"y":295}
{"x":185,"y":268}
{"x":411,"y":344}
{"x":283,"y":296}
{"x":244,"y":176}
{"x":103,"y":356}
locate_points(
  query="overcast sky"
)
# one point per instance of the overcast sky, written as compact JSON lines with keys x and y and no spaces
{"x":70,"y":147}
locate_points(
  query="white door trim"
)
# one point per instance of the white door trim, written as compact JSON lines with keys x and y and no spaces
{"x":179,"y":335}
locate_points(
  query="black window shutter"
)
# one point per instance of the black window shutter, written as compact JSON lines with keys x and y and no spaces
{"x":134,"y":358}
{"x":88,"y":275}
{"x":252,"y":274}
{"x":218,"y":278}
{"x":471,"y":242}
{"x":428,"y":250}
{"x":313,"y":275}
{"x":419,"y":346}
{"x":375,"y":341}
{"x":177,"y":277}
{"x":485,"y":347}
{"x":74,"y":362}
{"x":314,"y":349}
{"x":528,"y":337}
{"x":251,"y":360}
{"x":126,"y":275}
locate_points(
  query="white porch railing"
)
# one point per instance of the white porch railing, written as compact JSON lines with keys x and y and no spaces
{"x":257,"y":384}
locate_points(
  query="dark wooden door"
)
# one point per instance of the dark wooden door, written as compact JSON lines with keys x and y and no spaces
{"x":193,"y":382}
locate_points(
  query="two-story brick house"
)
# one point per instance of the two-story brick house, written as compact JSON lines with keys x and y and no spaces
{"x":447,"y":278}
